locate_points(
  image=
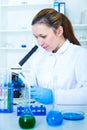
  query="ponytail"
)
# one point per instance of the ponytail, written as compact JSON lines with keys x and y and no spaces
{"x":68,"y":31}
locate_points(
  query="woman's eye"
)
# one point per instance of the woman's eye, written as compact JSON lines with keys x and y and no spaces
{"x":36,"y":37}
{"x":43,"y":36}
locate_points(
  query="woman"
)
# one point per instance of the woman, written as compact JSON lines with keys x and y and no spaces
{"x":59,"y":66}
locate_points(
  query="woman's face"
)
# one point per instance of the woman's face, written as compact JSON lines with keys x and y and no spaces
{"x":46,"y":37}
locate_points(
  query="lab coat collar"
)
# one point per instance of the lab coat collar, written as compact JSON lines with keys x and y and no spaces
{"x":64,"y":47}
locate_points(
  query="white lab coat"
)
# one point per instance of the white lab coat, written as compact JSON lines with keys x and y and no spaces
{"x":65,"y":72}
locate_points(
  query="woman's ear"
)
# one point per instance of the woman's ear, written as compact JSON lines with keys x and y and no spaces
{"x":60,"y":31}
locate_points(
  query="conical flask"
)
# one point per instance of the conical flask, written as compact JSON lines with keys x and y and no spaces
{"x":27,"y":119}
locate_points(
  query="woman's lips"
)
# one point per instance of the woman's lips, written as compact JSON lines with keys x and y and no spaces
{"x":45,"y":47}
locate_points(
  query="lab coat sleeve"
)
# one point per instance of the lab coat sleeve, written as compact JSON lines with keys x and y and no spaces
{"x":72,"y":96}
{"x":77,"y":95}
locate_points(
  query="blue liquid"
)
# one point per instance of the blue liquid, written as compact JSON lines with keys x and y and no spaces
{"x":73,"y":116}
{"x":54,"y":118}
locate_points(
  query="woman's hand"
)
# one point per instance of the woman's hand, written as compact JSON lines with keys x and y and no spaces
{"x":42,"y":95}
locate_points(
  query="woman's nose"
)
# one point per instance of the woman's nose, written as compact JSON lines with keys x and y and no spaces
{"x":40,"y":41}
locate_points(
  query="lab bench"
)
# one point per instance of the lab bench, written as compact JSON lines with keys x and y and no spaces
{"x":10,"y":120}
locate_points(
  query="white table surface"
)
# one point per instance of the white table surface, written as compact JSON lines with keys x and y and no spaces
{"x":10,"y":121}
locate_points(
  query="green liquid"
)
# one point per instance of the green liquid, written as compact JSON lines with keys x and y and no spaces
{"x":27,"y":122}
{"x":10,"y":97}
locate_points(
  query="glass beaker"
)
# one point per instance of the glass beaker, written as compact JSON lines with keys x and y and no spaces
{"x":6,"y":91}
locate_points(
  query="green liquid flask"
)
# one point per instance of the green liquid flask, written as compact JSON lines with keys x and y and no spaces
{"x":27,"y":120}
